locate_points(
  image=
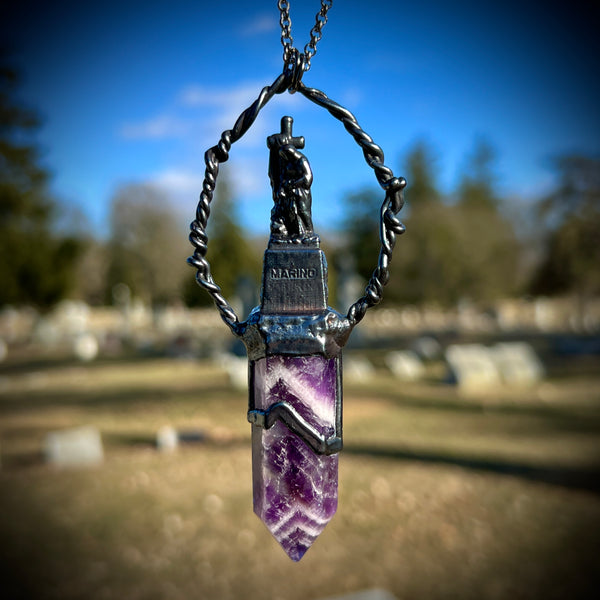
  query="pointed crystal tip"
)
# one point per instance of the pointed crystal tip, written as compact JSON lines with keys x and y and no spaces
{"x":295,"y":489}
{"x":297,"y":530}
{"x":295,"y":494}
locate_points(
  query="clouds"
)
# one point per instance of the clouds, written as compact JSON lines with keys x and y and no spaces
{"x":193,"y":121}
{"x":160,"y":127}
{"x":178,"y":181}
{"x":259,"y":24}
{"x":202,"y":110}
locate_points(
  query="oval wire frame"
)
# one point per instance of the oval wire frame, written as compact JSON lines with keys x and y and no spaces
{"x":389,"y":225}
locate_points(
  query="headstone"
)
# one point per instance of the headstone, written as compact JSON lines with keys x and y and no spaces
{"x":358,"y":369}
{"x":237,"y":370}
{"x":405,"y":365}
{"x":85,"y":347}
{"x":78,"y":447}
{"x":167,"y":439}
{"x":545,"y":314}
{"x":427,"y":347}
{"x":517,"y":363}
{"x":46,"y":332}
{"x":71,"y":317}
{"x":472,"y":366}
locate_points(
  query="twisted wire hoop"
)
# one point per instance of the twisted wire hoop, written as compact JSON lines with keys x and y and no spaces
{"x":389,"y":224}
{"x":212,"y":158}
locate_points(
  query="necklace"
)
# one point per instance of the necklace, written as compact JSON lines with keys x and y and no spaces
{"x":294,"y":340}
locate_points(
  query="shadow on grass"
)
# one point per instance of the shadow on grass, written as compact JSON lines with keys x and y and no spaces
{"x":129,"y":398}
{"x":50,"y":363}
{"x":583,"y":479}
{"x":584,"y":419}
{"x":187,"y":439}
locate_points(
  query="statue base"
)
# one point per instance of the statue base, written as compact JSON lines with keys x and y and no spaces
{"x":294,"y":279}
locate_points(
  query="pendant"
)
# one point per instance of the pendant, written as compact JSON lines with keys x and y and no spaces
{"x":294,"y":344}
{"x":294,"y":340}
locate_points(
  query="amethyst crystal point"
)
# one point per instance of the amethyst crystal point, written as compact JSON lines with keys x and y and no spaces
{"x":295,"y":489}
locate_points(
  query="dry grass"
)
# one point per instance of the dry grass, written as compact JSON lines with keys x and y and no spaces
{"x":441,"y":496}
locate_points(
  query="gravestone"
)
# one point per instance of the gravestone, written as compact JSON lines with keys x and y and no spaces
{"x":517,"y":363}
{"x":427,"y":347}
{"x":358,"y":369}
{"x":472,"y":366}
{"x":167,"y":439}
{"x":405,"y":365}
{"x":237,"y":370}
{"x":78,"y":447}
{"x":85,"y":347}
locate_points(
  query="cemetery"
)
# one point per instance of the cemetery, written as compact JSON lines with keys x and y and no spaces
{"x":470,"y":467}
{"x":319,"y":410}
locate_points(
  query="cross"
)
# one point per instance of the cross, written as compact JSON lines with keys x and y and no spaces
{"x":275,"y":141}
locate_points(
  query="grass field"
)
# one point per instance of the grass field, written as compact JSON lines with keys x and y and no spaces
{"x":442,"y":496}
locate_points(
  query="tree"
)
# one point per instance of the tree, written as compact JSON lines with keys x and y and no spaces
{"x":231,"y":256}
{"x":37,"y":266}
{"x":147,"y":246}
{"x":571,"y":213}
{"x":489,"y":249}
{"x":92,"y":273}
{"x":476,"y":190}
{"x":361,"y":227}
{"x":452,"y":250}
{"x":424,"y":260}
{"x":421,"y":166}
{"x":417,"y":271}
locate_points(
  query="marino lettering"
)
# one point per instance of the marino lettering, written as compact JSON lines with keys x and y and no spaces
{"x":292,"y":273}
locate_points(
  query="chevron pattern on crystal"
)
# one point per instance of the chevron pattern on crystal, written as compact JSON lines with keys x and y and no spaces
{"x":295,"y":490}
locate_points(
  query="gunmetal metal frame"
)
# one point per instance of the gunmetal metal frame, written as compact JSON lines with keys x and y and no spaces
{"x":282,"y":411}
{"x":389,"y":225}
{"x":323,"y":332}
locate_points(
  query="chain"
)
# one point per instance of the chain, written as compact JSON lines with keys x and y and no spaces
{"x":315,"y":33}
{"x":287,"y":41}
{"x":290,"y":80}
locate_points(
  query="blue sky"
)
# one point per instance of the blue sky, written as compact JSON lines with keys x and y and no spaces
{"x":136,"y":91}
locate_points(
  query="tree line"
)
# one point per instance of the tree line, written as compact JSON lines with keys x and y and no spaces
{"x":467,"y":243}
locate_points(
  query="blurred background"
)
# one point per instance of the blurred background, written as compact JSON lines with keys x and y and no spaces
{"x":472,"y":410}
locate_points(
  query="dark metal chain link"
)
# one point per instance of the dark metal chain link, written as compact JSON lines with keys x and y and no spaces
{"x":285,"y":21}
{"x":389,"y":225}
{"x":316,"y":33}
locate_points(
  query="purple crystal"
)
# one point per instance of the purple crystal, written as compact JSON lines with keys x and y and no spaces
{"x":295,"y":489}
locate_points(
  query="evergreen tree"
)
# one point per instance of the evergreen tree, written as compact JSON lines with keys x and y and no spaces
{"x":476,"y":190}
{"x":489,"y":249}
{"x":37,"y":266}
{"x":452,"y":250}
{"x":421,"y":166}
{"x":230,"y":254}
{"x":426,"y":257}
{"x":416,"y":270}
{"x":572,"y":216}
{"x":361,"y":230}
